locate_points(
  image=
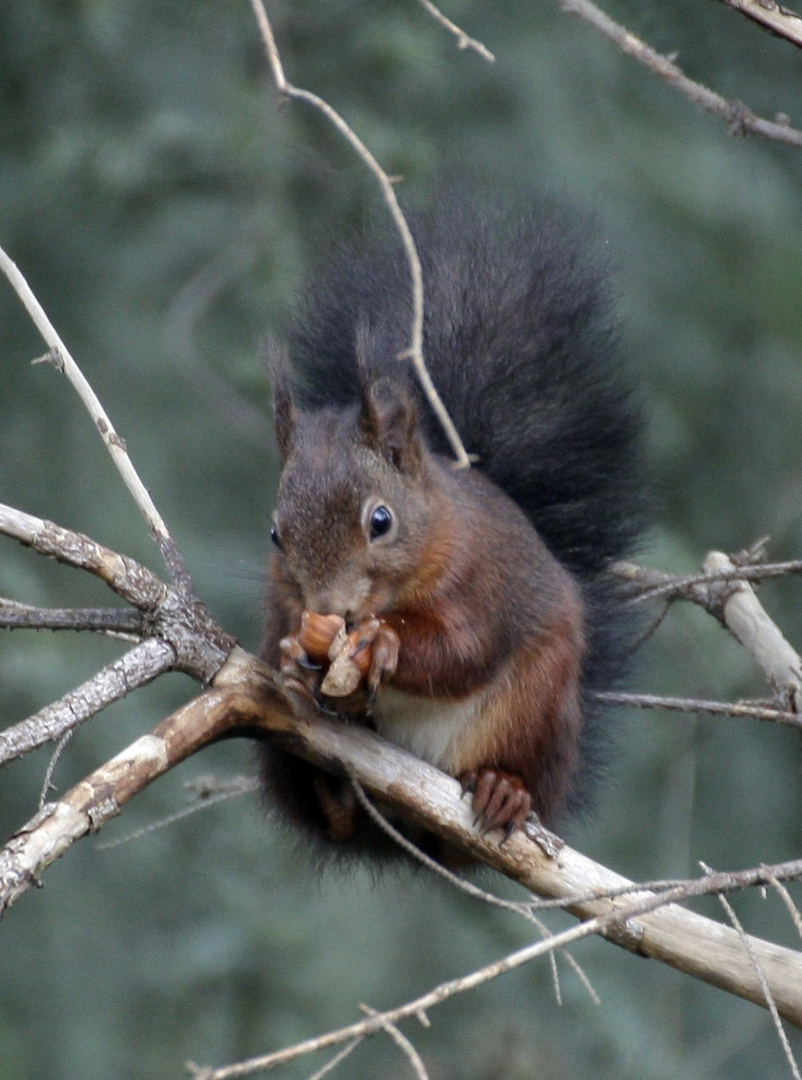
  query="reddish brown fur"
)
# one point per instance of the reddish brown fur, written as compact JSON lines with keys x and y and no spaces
{"x":485,"y":616}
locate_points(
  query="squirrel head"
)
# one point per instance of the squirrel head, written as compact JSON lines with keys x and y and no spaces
{"x":354,"y":506}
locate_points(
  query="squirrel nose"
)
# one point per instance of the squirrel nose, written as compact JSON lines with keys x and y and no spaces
{"x":344,"y":601}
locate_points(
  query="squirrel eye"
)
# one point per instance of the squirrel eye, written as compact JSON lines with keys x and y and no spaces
{"x":274,"y":536}
{"x":381,"y":521}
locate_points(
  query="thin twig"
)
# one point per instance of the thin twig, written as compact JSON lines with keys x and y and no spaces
{"x":441,"y":993}
{"x":524,"y":908}
{"x":740,"y":119}
{"x":436,"y":996}
{"x":787,"y":899}
{"x":59,"y":356}
{"x":415,"y":351}
{"x":649,"y":584}
{"x":463,"y":41}
{"x":47,"y":784}
{"x":694,"y":705}
{"x":774,"y":17}
{"x":770,"y":1002}
{"x":401,"y":1041}
{"x":241,"y":786}
{"x":335,"y":1061}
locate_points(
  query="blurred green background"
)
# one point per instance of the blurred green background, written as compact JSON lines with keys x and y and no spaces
{"x":164,"y":205}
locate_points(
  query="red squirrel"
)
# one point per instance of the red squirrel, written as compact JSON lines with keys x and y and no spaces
{"x":474,"y":608}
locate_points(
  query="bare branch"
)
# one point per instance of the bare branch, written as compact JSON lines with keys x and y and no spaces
{"x":138,"y":667}
{"x":723,"y":590}
{"x":246,"y":699}
{"x":785,"y":896}
{"x":335,"y":1061}
{"x":55,"y":757}
{"x":207,"y":795}
{"x":59,"y":356}
{"x":741,"y":120}
{"x":200,"y":645}
{"x":770,"y":1002}
{"x":116,"y":622}
{"x":642,"y":908}
{"x":463,"y":41}
{"x":524,"y":908}
{"x":776,"y":18}
{"x":650,"y":584}
{"x":204,"y":1072}
{"x":401,"y":1041}
{"x":415,"y":351}
{"x":743,"y":614}
{"x":421,"y":1005}
{"x":695,"y":705}
{"x":128,"y":578}
{"x":99,"y":797}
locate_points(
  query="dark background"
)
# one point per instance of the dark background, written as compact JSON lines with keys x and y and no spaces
{"x":164,"y":205}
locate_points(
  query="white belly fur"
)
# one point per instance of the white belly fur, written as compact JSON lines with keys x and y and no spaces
{"x":428,"y":728}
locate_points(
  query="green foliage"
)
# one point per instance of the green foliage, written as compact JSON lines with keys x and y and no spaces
{"x":164,"y":206}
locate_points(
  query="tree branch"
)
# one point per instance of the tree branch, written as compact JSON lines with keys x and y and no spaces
{"x":415,"y":351}
{"x":59,"y":356}
{"x":137,"y":667}
{"x":245,"y":699}
{"x":741,"y":120}
{"x":116,"y":622}
{"x":776,"y":18}
{"x":743,"y":709}
{"x":741,"y":612}
{"x":463,"y":41}
{"x":173,"y":612}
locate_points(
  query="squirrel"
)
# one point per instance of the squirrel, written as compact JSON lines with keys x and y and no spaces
{"x":472,"y":610}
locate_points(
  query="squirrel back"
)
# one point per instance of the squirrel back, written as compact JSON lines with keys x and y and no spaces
{"x":520,"y":344}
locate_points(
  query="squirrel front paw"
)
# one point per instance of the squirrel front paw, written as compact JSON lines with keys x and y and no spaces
{"x":301,"y":674}
{"x":352,"y":663}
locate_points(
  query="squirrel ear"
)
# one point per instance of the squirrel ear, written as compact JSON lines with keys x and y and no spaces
{"x":389,"y":421}
{"x":284,"y":415}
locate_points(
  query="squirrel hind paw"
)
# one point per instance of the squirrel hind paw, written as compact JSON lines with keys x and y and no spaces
{"x":499,"y":799}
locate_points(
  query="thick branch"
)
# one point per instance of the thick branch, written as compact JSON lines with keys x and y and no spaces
{"x":112,"y":621}
{"x":129,"y":579}
{"x":245,"y":700}
{"x":744,"y":616}
{"x":174,"y":613}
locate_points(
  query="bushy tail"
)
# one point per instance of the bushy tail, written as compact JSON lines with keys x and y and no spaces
{"x":519,"y":341}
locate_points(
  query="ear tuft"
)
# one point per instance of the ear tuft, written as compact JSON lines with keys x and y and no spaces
{"x":389,"y":422}
{"x":279,"y":371}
